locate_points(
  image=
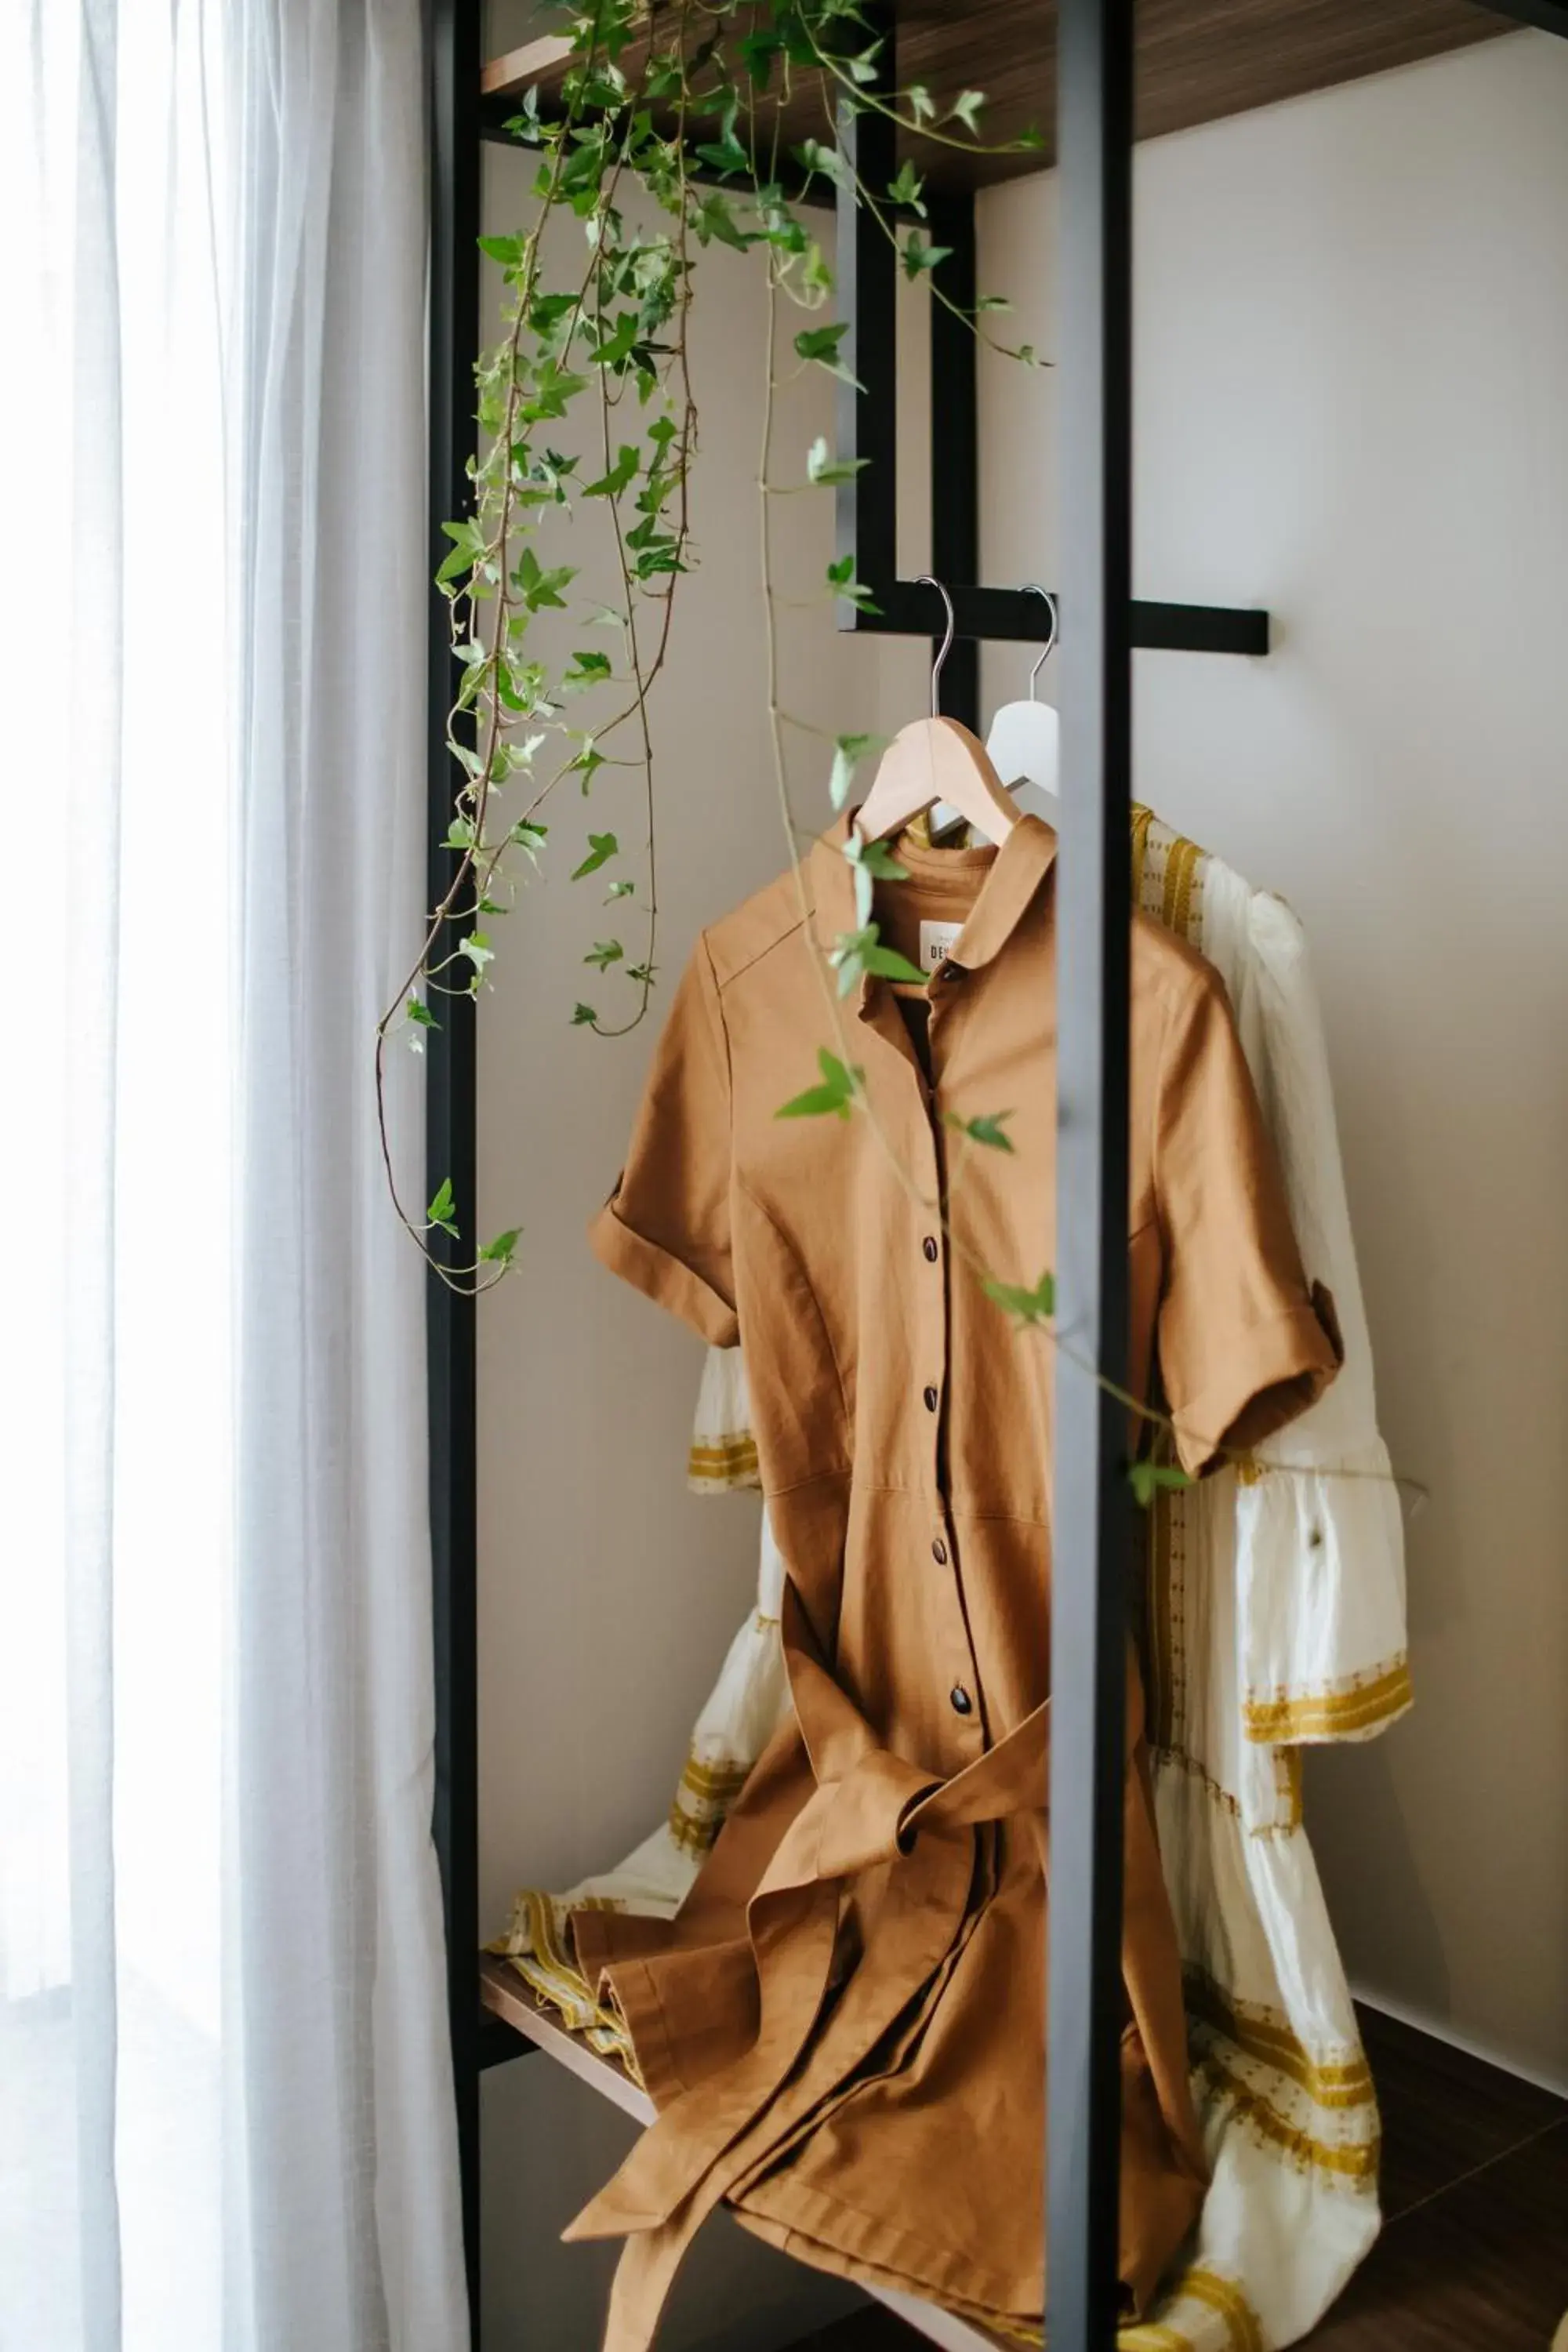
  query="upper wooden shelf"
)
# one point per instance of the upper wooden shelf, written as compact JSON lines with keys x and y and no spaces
{"x":1197,"y":60}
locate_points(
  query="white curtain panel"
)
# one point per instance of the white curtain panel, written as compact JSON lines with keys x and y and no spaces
{"x":226,"y":2112}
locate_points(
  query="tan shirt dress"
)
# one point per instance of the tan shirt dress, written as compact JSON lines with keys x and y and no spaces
{"x":843,"y":2029}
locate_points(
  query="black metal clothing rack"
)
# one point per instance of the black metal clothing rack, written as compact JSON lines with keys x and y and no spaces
{"x":1101,"y":624}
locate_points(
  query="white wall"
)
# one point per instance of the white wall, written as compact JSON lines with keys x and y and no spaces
{"x":1352,"y":336}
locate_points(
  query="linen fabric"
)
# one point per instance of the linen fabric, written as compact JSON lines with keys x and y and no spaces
{"x":835,"y":2025}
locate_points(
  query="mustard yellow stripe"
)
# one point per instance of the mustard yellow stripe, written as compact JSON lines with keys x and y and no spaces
{"x":720,"y":1780}
{"x":1323,"y":1715}
{"x":1355,"y":2161}
{"x":1266,"y":2036}
{"x":1142,"y":818}
{"x":1181,"y":866}
{"x":736,"y":1458}
{"x":1224,"y":2297}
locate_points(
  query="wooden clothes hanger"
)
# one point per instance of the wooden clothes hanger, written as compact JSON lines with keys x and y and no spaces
{"x":932,"y":760}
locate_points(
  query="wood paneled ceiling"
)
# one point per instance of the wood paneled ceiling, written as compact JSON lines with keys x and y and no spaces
{"x":1197,"y":60}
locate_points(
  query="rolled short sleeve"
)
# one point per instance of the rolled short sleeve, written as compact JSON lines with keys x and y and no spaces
{"x":1244,"y":1345}
{"x":666,"y":1227}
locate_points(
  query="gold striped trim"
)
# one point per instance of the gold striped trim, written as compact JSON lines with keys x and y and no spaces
{"x":724,"y":1779}
{"x":1354,"y":2160}
{"x":1180,"y":871}
{"x":727,"y":1463}
{"x":1224,"y":2297}
{"x":1142,"y":818}
{"x":1266,"y":2035}
{"x":1327,"y":1714}
{"x":1151,"y":2335}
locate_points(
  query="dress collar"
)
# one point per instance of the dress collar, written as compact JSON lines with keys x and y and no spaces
{"x":1013,"y":873}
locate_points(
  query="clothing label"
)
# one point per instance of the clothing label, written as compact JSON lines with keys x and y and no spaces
{"x":937,"y":943}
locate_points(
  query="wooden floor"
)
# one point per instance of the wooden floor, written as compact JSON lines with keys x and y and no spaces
{"x":1474,"y":2253}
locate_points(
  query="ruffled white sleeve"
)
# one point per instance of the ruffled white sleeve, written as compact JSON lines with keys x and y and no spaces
{"x":1320,"y":1531}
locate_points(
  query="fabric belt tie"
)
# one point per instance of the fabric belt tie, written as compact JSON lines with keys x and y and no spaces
{"x":876,"y":1809}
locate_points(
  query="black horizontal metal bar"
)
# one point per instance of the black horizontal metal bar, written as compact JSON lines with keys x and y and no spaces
{"x":1550,"y":15}
{"x":1012,"y":615}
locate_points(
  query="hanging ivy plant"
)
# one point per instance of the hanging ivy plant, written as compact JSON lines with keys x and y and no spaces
{"x":682,"y":105}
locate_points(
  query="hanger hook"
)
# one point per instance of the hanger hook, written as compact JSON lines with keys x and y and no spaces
{"x":929,"y":579}
{"x":1033,"y":588}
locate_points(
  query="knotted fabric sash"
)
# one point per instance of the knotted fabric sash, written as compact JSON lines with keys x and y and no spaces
{"x":871,"y":1809}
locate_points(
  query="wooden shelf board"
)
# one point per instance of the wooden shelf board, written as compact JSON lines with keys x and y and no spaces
{"x":503,"y":1992}
{"x":1198,"y":61}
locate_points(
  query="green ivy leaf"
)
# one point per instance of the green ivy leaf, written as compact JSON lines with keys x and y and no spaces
{"x":588,"y":669}
{"x":813,"y":156}
{"x":619,"y":890}
{"x":538,"y":588}
{"x":477,"y":949}
{"x":921,"y":105}
{"x":841,"y":577}
{"x":822,"y":467}
{"x":1036,"y":1306}
{"x":887,"y":963}
{"x":418,"y":1012}
{"x":855,"y":953}
{"x":604,"y":953}
{"x":499,"y":1251}
{"x":966,"y":109}
{"x":986,"y":1128}
{"x":834,"y":1097}
{"x":508,"y":250}
{"x":909,"y":188}
{"x":873,"y":862}
{"x":529,"y":837}
{"x":602,"y":847}
{"x":611,"y":485}
{"x":583,"y":1016}
{"x":713,"y":218}
{"x":1148,"y":1479}
{"x":442,"y":1212}
{"x":918,"y":254}
{"x":848,"y":750}
{"x":820,"y":345}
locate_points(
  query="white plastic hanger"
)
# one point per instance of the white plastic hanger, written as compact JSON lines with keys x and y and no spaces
{"x":936,"y":760}
{"x":1025,"y":740}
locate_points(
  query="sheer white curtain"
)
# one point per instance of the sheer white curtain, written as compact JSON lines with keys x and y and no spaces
{"x":226,"y":2118}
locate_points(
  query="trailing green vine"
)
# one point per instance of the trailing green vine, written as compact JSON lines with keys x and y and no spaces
{"x":671,"y":114}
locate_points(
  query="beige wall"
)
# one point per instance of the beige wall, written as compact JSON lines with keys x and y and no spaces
{"x":1352,"y":378}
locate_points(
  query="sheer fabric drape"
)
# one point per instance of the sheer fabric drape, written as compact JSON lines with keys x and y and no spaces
{"x":225,"y":2107}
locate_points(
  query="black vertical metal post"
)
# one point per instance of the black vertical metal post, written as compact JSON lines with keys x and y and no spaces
{"x":450,"y":1142}
{"x":1089,"y":1613}
{"x":955,"y":437}
{"x":865,"y":422}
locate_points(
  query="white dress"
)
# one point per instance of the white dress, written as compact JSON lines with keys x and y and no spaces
{"x":1275,"y":1618}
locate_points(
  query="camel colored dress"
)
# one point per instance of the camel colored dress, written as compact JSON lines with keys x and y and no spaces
{"x":842,"y":2029}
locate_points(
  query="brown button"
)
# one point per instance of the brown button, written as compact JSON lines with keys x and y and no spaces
{"x":961,"y":1701}
{"x":929,"y":1247}
{"x":939,"y":1552}
{"x":931,"y":1400}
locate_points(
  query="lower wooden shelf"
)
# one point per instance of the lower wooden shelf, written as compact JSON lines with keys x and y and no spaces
{"x":504,"y":1995}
